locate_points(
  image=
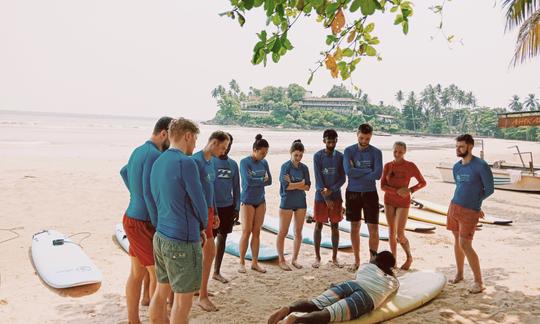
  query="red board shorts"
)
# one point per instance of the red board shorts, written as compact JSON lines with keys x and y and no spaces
{"x":463,"y":220}
{"x":140,"y":235}
{"x":321,"y":212}
{"x":210,"y":228}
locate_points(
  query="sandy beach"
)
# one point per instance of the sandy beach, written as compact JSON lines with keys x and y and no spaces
{"x":62,"y":172}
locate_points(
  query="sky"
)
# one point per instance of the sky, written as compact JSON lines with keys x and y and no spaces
{"x":152,"y":58}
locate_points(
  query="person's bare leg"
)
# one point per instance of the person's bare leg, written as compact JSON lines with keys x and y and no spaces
{"x":390,"y":213}
{"x":316,"y":317}
{"x":145,"y":299}
{"x":247,"y":213}
{"x":256,"y":237}
{"x":303,"y":306}
{"x":220,"y":251}
{"x":474,"y":263}
{"x":152,"y":280}
{"x":299,"y":217}
{"x":373,"y":239}
{"x":317,"y":233}
{"x":209,"y":252}
{"x":402,"y":214}
{"x":335,"y":244}
{"x":285,"y":217}
{"x":460,"y":258}
{"x":355,"y":240}
{"x":181,"y":308}
{"x":133,"y":290}
{"x":158,"y":304}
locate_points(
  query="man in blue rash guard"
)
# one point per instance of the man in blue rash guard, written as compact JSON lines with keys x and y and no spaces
{"x":362,"y":163}
{"x":216,"y":146}
{"x":228,"y":204}
{"x":182,"y":217}
{"x":474,"y":183}
{"x":136,"y":221}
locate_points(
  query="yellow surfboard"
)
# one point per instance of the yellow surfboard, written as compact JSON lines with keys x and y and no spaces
{"x":442,"y":209}
{"x":429,"y":217}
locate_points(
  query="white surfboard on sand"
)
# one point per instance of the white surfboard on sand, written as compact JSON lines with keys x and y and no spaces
{"x":429,"y":217}
{"x":443,"y":209}
{"x":415,"y":290}
{"x":121,"y":237}
{"x":62,"y":264}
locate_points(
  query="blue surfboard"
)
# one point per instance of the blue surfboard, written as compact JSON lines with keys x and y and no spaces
{"x":232,"y":247}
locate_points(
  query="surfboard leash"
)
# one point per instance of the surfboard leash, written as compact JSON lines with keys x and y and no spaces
{"x":12,"y":231}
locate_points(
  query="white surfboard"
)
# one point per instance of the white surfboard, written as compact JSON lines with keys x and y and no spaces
{"x":121,"y":237}
{"x":443,"y":210}
{"x":415,"y":290}
{"x":64,"y":265}
{"x":429,"y":217}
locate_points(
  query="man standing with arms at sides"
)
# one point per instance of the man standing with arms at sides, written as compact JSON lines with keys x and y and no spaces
{"x":139,"y":230}
{"x":474,"y":183}
{"x":228,"y":203}
{"x":182,"y":217}
{"x":216,"y":146}
{"x":363,"y":165}
{"x":329,"y":177}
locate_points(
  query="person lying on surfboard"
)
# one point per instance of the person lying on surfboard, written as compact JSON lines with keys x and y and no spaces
{"x":374,"y":283}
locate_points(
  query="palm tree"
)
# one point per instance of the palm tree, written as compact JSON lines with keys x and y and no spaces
{"x":218,"y":91}
{"x":531,"y":102}
{"x":399,"y":98}
{"x":524,"y":14}
{"x":234,"y":86}
{"x":515,"y":104}
{"x":470,"y":99}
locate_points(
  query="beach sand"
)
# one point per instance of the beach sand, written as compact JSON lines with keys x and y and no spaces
{"x":63,"y":174}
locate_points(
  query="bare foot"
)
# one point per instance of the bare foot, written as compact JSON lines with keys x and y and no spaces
{"x":296,"y":265}
{"x":145,"y":301}
{"x":476,"y":288}
{"x":220,"y":278}
{"x":284,"y":266}
{"x":258,"y":268}
{"x":278,"y":315}
{"x":407,"y":264}
{"x":353,"y":267}
{"x":242,"y":268}
{"x":316,"y":264}
{"x":336,"y":263}
{"x":290,"y":320}
{"x":457,"y":279}
{"x":207,"y":305}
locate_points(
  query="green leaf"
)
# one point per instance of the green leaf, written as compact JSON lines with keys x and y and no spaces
{"x":258,"y":3}
{"x":331,"y":9}
{"x":277,"y":46}
{"x":262,"y":35}
{"x":399,"y":19}
{"x":368,"y":7}
{"x":374,"y":41}
{"x":394,"y":9}
{"x":275,"y":57}
{"x":406,"y":12}
{"x":310,"y":79}
{"x":307,"y":8}
{"x":369,"y":28}
{"x":317,"y":3}
{"x":241,"y":20}
{"x":287,"y":44}
{"x":276,"y":20}
{"x":248,"y":4}
{"x":355,"y":5}
{"x":347,"y":52}
{"x":330,"y":39}
{"x":355,"y":61}
{"x":370,"y":51}
{"x":269,"y":6}
{"x":282,"y":51}
{"x":405,"y":27}
{"x":280,"y":10}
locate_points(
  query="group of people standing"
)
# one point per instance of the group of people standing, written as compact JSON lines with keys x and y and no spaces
{"x":181,"y":201}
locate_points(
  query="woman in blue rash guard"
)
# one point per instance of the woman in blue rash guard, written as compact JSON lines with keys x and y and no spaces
{"x":294,"y":180}
{"x":255,"y":175}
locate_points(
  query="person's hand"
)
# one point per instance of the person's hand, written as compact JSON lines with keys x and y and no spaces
{"x":403,"y":192}
{"x":236,"y":216}
{"x":216,"y":223}
{"x":287,"y":178}
{"x":482,"y":215}
{"x":330,"y":204}
{"x":351,"y":163}
{"x":326,"y":192}
{"x":203,"y":238}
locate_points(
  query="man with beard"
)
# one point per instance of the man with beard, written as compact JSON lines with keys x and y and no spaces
{"x":139,"y":214}
{"x":474,"y":183}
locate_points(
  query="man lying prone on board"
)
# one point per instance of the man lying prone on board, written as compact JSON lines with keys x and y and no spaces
{"x":374,"y":283}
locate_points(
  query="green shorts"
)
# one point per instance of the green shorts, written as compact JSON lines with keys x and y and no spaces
{"x":178,"y":264}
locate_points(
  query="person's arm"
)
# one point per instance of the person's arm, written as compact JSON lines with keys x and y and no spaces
{"x":287,"y":186}
{"x":248,"y":177}
{"x":487,"y":181}
{"x":319,"y":181}
{"x":268,"y":182}
{"x":377,"y":167}
{"x":420,"y":178}
{"x":341,"y":176}
{"x":350,"y":170}
{"x":147,"y":193}
{"x":124,"y":175}
{"x":194,"y":189}
{"x":384,"y":182}
{"x":307,"y":179}
{"x":236,"y":187}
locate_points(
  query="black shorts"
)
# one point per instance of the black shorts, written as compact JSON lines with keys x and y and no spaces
{"x":366,"y":203}
{"x":226,"y":220}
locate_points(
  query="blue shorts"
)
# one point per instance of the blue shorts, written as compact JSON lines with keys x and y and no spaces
{"x":345,"y":301}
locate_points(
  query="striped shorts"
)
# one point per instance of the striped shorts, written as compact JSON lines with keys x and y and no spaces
{"x":345,"y":301}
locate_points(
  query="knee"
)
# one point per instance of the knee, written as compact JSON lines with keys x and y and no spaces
{"x":319,"y":226}
{"x":402,"y":239}
{"x":256,"y":233}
